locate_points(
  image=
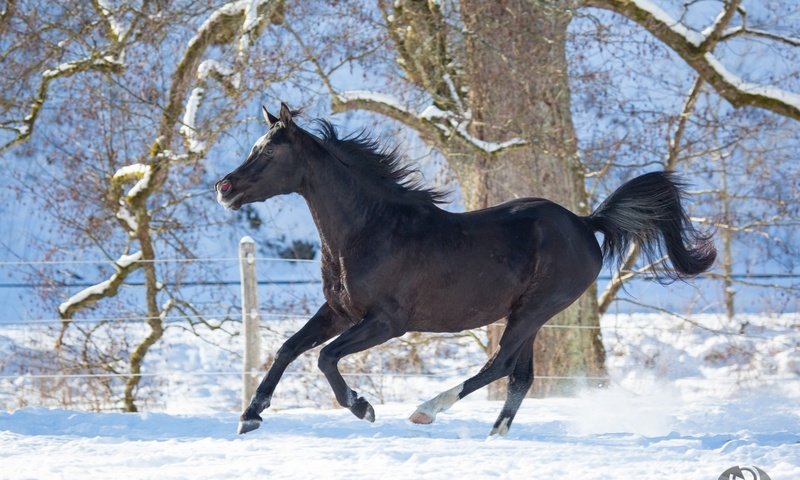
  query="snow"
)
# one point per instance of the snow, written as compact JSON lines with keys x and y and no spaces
{"x":658,"y":13}
{"x":60,"y":70}
{"x":251,"y":17}
{"x":737,"y":82}
{"x":123,"y":261}
{"x":127,"y":260}
{"x":355,"y":95}
{"x":96,"y":289}
{"x":432,"y":112}
{"x":453,"y":93}
{"x":137,"y":170}
{"x":126,"y":216}
{"x":717,"y":21}
{"x":682,"y":402}
{"x":248,"y":7}
{"x":116,"y":29}
{"x":211,"y":65}
{"x":488,"y":147}
{"x":189,"y":127}
{"x":69,"y":68}
{"x":556,"y":438}
{"x":142,"y":183}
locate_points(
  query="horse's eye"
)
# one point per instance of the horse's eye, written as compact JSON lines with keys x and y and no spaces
{"x":269,"y":151}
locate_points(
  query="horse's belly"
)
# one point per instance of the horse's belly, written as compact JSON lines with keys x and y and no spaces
{"x":462,"y":305}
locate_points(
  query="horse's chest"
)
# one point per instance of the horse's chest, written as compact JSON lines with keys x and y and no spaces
{"x":340,"y":287}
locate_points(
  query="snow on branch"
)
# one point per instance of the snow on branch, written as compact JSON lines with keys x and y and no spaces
{"x":106,"y":62}
{"x":90,"y":295}
{"x":742,"y":30}
{"x":139,"y":172}
{"x":115,"y":30}
{"x":696,"y":49}
{"x":227,"y":19}
{"x":224,"y":74}
{"x":488,"y":147}
{"x":189,"y":127}
{"x":764,"y":91}
{"x":109,"y":60}
{"x":87,"y":297}
{"x":432,"y":119}
{"x":237,"y":19}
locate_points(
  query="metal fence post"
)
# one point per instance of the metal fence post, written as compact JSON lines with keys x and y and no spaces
{"x":250,"y":319}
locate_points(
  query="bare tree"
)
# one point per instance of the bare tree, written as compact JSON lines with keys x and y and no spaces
{"x":152,"y":68}
{"x":492,"y":79}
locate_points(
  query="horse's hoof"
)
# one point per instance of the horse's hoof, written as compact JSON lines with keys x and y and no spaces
{"x":421,"y":418}
{"x":362,"y":409}
{"x":248,"y":422}
{"x":248,"y":426}
{"x":501,"y":428}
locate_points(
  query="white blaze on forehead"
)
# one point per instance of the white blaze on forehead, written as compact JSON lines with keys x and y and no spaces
{"x":262,"y":141}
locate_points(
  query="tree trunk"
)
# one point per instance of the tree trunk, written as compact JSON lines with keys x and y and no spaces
{"x":517,"y":69}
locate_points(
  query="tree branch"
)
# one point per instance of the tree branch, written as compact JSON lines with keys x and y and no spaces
{"x":87,"y":297}
{"x":434,"y":125}
{"x":744,"y":31}
{"x":714,"y":32}
{"x":695,"y":49}
{"x":6,"y":15}
{"x":103,"y":62}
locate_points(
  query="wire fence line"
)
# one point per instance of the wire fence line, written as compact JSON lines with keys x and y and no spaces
{"x":235,"y":316}
{"x":460,"y":372}
{"x":643,"y":275}
{"x":5,"y":263}
{"x":261,"y":373}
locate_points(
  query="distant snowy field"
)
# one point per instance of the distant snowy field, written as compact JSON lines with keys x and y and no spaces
{"x":684,"y":402}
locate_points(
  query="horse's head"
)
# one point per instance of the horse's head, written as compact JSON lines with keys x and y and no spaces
{"x":272,"y":168}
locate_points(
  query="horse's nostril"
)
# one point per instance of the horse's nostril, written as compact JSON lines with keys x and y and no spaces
{"x":224,"y":186}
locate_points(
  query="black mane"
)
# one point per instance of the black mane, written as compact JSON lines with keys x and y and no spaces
{"x":377,"y":163}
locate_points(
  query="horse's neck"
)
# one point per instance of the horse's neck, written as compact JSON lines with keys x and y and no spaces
{"x":340,"y":207}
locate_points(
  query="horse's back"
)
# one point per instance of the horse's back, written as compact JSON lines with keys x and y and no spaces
{"x":473,"y":267}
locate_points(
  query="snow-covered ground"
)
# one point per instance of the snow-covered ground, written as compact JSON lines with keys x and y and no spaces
{"x":684,"y":402}
{"x":604,"y":435}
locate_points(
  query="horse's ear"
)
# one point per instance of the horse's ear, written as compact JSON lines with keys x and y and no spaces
{"x":286,"y":116}
{"x":268,"y":117}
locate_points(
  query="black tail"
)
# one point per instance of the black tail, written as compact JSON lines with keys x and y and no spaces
{"x":647,"y":210}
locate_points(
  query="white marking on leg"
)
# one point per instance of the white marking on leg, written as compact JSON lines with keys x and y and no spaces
{"x":502,"y":429}
{"x":426,"y":413}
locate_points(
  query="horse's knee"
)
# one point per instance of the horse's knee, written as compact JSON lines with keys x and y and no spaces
{"x":327,"y":361}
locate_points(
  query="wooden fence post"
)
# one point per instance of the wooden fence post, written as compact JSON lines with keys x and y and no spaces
{"x":250,"y":319}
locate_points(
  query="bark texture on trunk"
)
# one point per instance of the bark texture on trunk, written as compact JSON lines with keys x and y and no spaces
{"x":518,"y":87}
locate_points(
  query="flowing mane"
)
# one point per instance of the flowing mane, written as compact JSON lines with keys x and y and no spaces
{"x":376,"y":163}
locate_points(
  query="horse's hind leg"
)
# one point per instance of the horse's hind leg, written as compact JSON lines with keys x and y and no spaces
{"x":519,"y":382}
{"x":519,"y":331}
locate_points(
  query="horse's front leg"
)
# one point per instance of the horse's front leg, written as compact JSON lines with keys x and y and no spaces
{"x":371,"y":331}
{"x":323,"y":326}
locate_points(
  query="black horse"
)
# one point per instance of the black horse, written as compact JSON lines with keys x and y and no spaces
{"x":393,"y":262}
